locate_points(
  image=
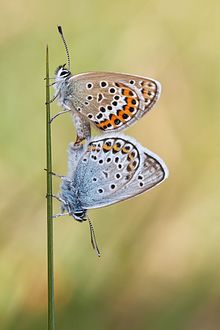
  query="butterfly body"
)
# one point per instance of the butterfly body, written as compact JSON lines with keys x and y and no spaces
{"x":72,"y":203}
{"x":108,"y":170}
{"x":110,"y":101}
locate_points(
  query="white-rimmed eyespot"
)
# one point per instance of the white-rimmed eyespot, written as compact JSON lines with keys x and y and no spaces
{"x":108,"y":100}
{"x":106,"y":170}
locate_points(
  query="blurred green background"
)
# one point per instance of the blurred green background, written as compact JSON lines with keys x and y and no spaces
{"x":160,"y":264}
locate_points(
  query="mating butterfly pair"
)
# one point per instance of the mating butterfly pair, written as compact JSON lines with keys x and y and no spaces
{"x":110,"y":168}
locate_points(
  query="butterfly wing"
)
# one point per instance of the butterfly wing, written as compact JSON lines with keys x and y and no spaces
{"x":113,"y":101}
{"x":115,"y":168}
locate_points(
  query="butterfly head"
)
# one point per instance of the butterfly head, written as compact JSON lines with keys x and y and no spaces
{"x":71,"y":202}
{"x":62,"y":73}
{"x":79,"y":215}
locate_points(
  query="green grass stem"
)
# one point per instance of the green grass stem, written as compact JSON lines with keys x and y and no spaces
{"x":50,"y":266}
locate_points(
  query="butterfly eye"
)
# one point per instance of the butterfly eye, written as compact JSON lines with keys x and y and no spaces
{"x":79,"y":214}
{"x":64,"y":73}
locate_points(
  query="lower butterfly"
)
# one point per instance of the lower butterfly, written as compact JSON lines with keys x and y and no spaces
{"x":110,"y":101}
{"x":106,"y":170}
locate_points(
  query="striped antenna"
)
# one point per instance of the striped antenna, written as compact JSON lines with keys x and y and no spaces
{"x":65,"y":45}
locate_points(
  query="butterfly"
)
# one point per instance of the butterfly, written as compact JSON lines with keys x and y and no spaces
{"x":110,"y":101}
{"x":106,"y":170}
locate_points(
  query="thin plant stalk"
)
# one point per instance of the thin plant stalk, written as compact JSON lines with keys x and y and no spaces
{"x":50,"y":259}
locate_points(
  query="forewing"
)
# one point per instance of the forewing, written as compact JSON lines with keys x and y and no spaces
{"x":113,"y":101}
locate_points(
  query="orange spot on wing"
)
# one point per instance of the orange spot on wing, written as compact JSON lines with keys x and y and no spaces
{"x":126,"y":92}
{"x":116,"y":148}
{"x":120,"y":115}
{"x":104,"y":124}
{"x":126,"y":110}
{"x":125,"y":151}
{"x":129,"y":102}
{"x":107,"y":148}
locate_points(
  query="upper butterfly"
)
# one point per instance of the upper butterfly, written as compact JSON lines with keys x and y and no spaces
{"x":111,"y":101}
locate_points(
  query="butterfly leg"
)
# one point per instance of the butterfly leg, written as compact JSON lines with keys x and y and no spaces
{"x":53,"y":99}
{"x":59,"y":113}
{"x":62,"y":177}
{"x":83,"y":129}
{"x":59,"y":215}
{"x":58,"y":198}
{"x":62,"y":208}
{"x":54,"y":174}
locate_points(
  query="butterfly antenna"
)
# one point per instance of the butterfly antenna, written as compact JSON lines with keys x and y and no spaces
{"x":65,"y":45}
{"x":93,"y":238}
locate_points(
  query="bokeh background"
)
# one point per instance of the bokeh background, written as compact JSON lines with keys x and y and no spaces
{"x":160,"y":264}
